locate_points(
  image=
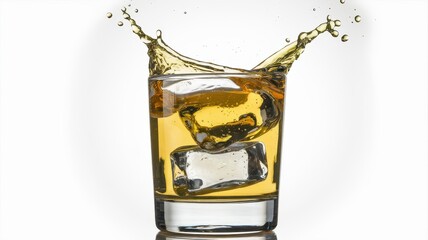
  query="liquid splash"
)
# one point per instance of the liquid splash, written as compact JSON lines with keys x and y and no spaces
{"x":165,"y":61}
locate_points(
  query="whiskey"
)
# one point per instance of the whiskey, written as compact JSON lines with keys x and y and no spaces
{"x":216,"y":137}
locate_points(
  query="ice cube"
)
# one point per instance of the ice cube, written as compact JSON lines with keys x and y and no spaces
{"x":216,"y":127}
{"x":196,"y":171}
{"x":167,"y":97}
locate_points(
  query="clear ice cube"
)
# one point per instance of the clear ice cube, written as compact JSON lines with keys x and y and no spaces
{"x":196,"y":171}
{"x":216,"y":127}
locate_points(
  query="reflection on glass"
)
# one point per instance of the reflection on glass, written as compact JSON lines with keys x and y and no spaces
{"x":254,"y":236}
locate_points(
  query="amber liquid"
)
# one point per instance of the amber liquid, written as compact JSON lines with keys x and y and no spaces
{"x":218,"y":108}
{"x":213,"y":120}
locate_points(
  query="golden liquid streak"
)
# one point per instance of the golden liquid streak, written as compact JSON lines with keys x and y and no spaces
{"x":164,"y":60}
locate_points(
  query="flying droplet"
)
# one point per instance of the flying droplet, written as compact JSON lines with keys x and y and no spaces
{"x":129,"y":5}
{"x":358,"y":18}
{"x":314,"y":9}
{"x":109,"y":15}
{"x":136,"y":10}
{"x":338,"y":23}
{"x":159,"y":33}
{"x":328,"y":18}
{"x":345,"y":38}
{"x":342,"y":1}
{"x":120,"y":23}
{"x":335,"y":33}
{"x":287,"y":40}
{"x":123,"y":9}
{"x":185,"y":12}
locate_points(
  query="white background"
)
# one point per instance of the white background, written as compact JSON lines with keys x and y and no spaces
{"x":74,"y":145}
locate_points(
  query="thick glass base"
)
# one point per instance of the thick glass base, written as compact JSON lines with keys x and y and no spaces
{"x":216,"y":218}
{"x":252,"y":236}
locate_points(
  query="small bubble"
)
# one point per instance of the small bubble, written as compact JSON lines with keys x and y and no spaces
{"x":287,"y":40}
{"x":120,"y":23}
{"x":345,"y":38}
{"x":136,"y":10}
{"x":342,"y":1}
{"x":109,"y":15}
{"x":358,"y":18}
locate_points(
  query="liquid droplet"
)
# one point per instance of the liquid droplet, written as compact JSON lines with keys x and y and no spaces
{"x":120,"y":23}
{"x":159,"y":33}
{"x":109,"y":15}
{"x":314,"y":9}
{"x":123,"y":9}
{"x":358,"y":18}
{"x":287,"y":40}
{"x":136,"y":10}
{"x":342,"y":1}
{"x":335,"y":33}
{"x":345,"y":38}
{"x":185,"y":12}
{"x":328,"y":18}
{"x":338,"y":23}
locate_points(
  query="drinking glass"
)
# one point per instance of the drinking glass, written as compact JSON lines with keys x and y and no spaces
{"x":216,"y":150}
